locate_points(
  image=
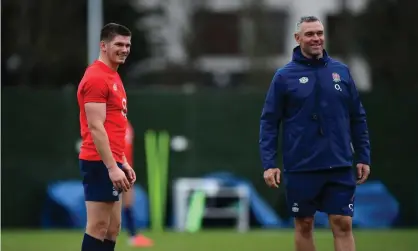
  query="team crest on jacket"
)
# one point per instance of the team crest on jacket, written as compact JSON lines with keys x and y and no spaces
{"x":336,"y":77}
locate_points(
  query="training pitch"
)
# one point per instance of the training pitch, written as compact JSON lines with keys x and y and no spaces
{"x":214,"y":240}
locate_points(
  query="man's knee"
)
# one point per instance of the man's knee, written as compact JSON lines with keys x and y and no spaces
{"x":97,"y":228}
{"x":341,"y":225}
{"x":113,"y":231}
{"x":98,"y":218}
{"x":115,"y":222}
{"x":304,"y":225}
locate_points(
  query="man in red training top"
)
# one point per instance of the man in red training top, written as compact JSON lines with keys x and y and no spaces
{"x":135,"y":240}
{"x":103,"y":121}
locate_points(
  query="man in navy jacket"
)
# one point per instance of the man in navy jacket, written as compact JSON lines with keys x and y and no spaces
{"x":324,"y":127}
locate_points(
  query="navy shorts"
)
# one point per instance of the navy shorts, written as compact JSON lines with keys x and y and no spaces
{"x":329,"y":191}
{"x":96,"y":182}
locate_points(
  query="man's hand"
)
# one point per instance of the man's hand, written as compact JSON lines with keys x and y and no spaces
{"x":272,"y":177}
{"x":130,"y":173}
{"x":363,"y":172}
{"x":118,"y":178}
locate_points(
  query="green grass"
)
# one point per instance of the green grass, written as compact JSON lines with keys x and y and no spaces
{"x":280,"y":240}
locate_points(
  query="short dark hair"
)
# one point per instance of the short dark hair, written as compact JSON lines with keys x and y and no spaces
{"x":111,"y":30}
{"x":306,"y":19}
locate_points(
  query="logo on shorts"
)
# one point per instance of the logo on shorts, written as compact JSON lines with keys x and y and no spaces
{"x":295,"y":208}
{"x":303,"y":80}
{"x":351,"y":206}
{"x":115,"y":193}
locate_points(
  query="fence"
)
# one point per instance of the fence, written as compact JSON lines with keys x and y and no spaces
{"x":40,"y":130}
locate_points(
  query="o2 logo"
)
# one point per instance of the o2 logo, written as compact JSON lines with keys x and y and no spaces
{"x":124,"y":110}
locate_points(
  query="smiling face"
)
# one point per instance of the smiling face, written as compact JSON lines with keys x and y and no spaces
{"x":115,"y":44}
{"x":117,"y":49}
{"x":310,"y":37}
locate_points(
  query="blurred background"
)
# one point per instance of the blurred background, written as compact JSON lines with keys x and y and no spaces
{"x":197,"y":73}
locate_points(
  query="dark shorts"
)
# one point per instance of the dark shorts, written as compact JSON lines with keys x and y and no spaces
{"x":329,"y":191}
{"x":96,"y":182}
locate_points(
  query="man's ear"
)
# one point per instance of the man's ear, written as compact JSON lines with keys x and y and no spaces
{"x":103,"y":46}
{"x":297,"y":38}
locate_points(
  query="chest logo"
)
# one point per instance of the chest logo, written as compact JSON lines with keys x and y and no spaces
{"x":338,"y":87}
{"x":124,"y":110}
{"x":303,"y":80}
{"x":115,"y":87}
{"x":336,"y":77}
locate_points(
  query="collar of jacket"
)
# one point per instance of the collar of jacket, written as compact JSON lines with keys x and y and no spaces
{"x":300,"y":58}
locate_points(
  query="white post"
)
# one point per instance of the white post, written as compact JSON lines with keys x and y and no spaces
{"x":94,"y":25}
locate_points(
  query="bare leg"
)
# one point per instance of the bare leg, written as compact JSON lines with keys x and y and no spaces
{"x":343,"y":233}
{"x":115,"y":222}
{"x":128,"y":198}
{"x":114,"y":227}
{"x":98,"y":218}
{"x":304,"y":234}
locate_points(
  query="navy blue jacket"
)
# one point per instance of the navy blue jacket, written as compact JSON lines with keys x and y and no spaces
{"x":318,"y":105}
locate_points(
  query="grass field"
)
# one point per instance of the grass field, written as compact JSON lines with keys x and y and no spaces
{"x":280,"y":240}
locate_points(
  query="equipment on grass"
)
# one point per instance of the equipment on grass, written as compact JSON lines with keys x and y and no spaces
{"x":157,"y":148}
{"x":196,"y":211}
{"x":190,"y":194}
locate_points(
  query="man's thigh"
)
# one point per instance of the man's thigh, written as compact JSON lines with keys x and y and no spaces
{"x":99,"y":213}
{"x":116,"y":217}
{"x":303,"y":191}
{"x":128,"y":197}
{"x":338,"y":193}
{"x":96,"y":182}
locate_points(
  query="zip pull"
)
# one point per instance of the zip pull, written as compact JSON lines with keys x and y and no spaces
{"x":321,"y":131}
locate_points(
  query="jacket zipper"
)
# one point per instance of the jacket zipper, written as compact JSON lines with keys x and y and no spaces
{"x":317,"y":115}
